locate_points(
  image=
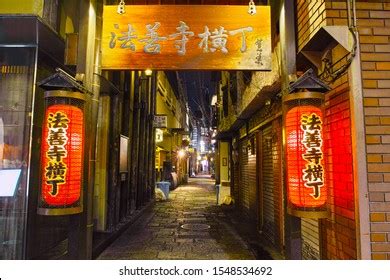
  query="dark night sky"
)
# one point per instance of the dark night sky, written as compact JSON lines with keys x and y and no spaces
{"x":200,"y":86}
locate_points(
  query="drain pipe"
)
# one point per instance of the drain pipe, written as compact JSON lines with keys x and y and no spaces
{"x":354,"y":13}
{"x":363,"y":244}
{"x":349,"y":12}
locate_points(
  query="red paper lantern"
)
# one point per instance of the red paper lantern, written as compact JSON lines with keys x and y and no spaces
{"x":305,"y":157}
{"x":305,"y":160}
{"x":62,"y":158}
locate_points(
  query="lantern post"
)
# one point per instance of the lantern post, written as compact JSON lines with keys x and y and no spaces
{"x":307,"y":189}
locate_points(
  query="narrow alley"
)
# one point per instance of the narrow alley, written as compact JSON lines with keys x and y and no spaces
{"x":279,"y":109}
{"x":189,"y":225}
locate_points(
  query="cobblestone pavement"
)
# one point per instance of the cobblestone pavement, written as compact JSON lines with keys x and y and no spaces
{"x":187,"y":226}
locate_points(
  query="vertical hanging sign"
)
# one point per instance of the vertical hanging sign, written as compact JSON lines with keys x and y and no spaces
{"x":306,"y":186}
{"x":62,"y":158}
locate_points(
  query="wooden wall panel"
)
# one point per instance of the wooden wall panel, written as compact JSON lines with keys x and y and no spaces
{"x":244,"y":183}
{"x":252,"y":181}
{"x":278,"y":182}
{"x":267,"y":186}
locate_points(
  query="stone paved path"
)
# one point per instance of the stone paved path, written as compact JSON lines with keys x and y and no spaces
{"x":159,"y":233}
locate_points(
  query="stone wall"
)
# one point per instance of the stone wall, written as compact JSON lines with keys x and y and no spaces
{"x":373,"y":22}
{"x":311,"y":17}
{"x":374,"y":28}
{"x":337,"y":234}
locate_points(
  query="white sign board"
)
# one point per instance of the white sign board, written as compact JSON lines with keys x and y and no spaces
{"x":160,"y":121}
{"x":9,"y":181}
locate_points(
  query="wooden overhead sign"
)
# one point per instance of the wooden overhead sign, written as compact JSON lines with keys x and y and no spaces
{"x":204,"y":37}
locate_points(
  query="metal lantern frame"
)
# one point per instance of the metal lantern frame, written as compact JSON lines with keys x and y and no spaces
{"x":305,"y":99}
{"x":62,"y":89}
{"x":75,"y":100}
{"x":306,"y":93}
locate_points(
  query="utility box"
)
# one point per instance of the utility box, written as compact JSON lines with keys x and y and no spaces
{"x":164,"y":187}
{"x":223,"y":191}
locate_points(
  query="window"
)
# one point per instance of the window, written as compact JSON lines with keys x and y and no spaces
{"x":16,"y":84}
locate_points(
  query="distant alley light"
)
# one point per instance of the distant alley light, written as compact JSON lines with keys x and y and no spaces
{"x":182,"y":153}
{"x":148,"y":72}
{"x":214,"y":100}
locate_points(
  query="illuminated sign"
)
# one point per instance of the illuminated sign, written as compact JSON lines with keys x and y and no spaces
{"x":124,"y":154}
{"x":62,"y":155}
{"x":312,"y":140}
{"x":160,"y":121}
{"x":305,"y":158}
{"x":159,"y":135}
{"x":186,"y":37}
{"x":9,"y":179}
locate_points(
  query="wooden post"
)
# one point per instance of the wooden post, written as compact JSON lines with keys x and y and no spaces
{"x":287,"y":26}
{"x":136,"y":136}
{"x":113,"y":164}
{"x":153,"y":136}
{"x":141,"y":142}
{"x":132,"y":142}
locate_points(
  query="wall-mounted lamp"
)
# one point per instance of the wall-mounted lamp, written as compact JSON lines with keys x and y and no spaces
{"x":148,"y":72}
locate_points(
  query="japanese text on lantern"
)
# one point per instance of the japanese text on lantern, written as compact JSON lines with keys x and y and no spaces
{"x":56,"y":168}
{"x":62,"y":155}
{"x":313,"y":173}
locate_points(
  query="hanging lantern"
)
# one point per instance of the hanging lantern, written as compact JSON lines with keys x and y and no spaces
{"x":306,"y":186}
{"x":62,"y":154}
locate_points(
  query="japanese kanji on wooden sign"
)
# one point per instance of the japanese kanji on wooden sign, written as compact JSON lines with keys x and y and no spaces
{"x":204,"y":37}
